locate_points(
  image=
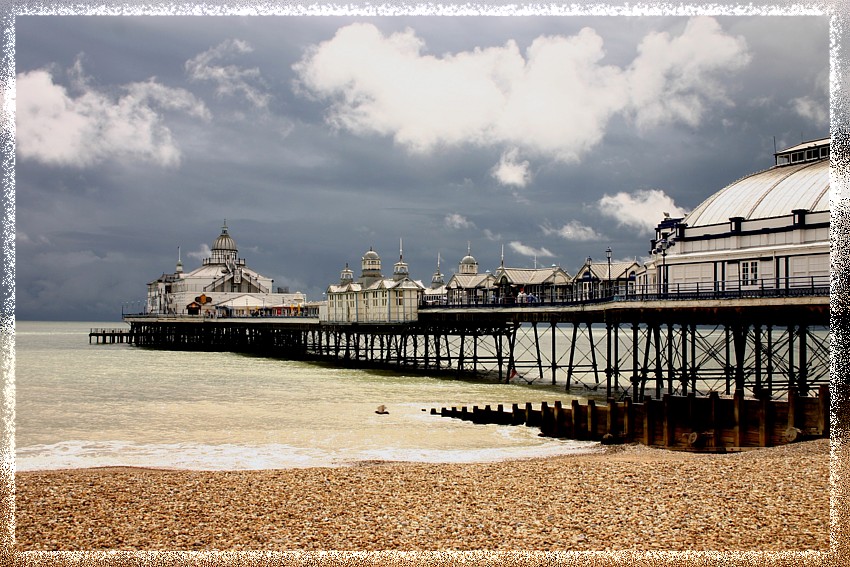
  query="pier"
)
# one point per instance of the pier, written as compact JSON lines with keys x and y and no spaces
{"x":607,"y":349}
{"x":110,"y":336}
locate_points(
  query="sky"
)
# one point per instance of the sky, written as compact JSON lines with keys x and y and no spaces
{"x":550,"y":138}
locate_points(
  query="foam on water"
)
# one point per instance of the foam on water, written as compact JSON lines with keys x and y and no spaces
{"x":193,"y":456}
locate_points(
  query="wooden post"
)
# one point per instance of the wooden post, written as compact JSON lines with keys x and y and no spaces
{"x":577,"y":429}
{"x":792,"y":433}
{"x":740,"y":418}
{"x":611,"y":425}
{"x":591,"y":419}
{"x":765,"y":422}
{"x":558,"y":419}
{"x":628,"y":419}
{"x":669,"y":422}
{"x":648,"y":437}
{"x":823,"y":413}
{"x":714,"y":407}
{"x":545,"y":419}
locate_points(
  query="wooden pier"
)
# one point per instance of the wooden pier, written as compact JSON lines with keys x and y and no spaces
{"x":110,"y":336}
{"x":705,"y":424}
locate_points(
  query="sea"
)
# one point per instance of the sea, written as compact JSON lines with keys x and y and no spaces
{"x":80,"y":405}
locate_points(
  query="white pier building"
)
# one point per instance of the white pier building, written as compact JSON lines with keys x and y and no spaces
{"x":222,"y":286}
{"x":768,"y":230}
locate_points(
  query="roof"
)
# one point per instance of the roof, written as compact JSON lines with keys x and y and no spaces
{"x":224,"y":241}
{"x":805,"y":145}
{"x":619,"y":270}
{"x":469,"y":281}
{"x":376,"y":285}
{"x":246,"y":300}
{"x":774,"y":192}
{"x":533,"y":276}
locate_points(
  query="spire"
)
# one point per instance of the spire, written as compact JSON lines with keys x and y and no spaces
{"x":502,"y":261}
{"x":179,"y":269}
{"x":400,"y":270}
{"x":437,"y":279}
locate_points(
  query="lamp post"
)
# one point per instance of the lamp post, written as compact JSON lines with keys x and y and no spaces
{"x":663,"y":245}
{"x":610,"y":287}
{"x":589,"y":262}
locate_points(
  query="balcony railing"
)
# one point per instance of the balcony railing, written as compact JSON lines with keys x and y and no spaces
{"x":602,"y":291}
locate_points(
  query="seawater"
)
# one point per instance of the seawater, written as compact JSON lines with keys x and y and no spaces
{"x":89,"y":405}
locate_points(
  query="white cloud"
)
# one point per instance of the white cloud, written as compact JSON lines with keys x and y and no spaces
{"x":553,"y":101}
{"x":490,"y":235}
{"x":201,"y":254}
{"x":642,"y":210}
{"x":510,"y":171}
{"x":811,"y":110}
{"x":815,"y":107}
{"x":230,"y":80}
{"x":674,"y":79}
{"x":57,"y":128}
{"x":530,"y":251}
{"x":573,"y":230}
{"x":457,"y":221}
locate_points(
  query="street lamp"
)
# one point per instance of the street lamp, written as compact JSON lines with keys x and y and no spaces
{"x":589,"y":274}
{"x":662,"y":246}
{"x":608,"y":255}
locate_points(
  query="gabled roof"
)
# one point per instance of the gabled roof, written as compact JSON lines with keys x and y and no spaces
{"x":344,"y":288}
{"x":533,"y":276}
{"x":381,"y":284}
{"x":599,"y":270}
{"x":470,"y":281}
{"x":245,"y":300}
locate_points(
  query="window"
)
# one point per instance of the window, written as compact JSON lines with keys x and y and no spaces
{"x":749,"y":273}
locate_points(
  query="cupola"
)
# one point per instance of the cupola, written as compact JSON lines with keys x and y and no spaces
{"x":468,"y":265}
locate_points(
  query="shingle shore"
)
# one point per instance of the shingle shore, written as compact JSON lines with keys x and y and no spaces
{"x":629,"y":497}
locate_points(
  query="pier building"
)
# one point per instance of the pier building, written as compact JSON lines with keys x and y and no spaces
{"x":532,"y":285}
{"x":436,"y":294}
{"x":372,"y":298}
{"x":467,"y":286}
{"x":767,"y":230}
{"x":608,"y":279}
{"x":223,"y":285}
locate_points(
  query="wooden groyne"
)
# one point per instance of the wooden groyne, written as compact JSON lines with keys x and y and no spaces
{"x":111,"y":336}
{"x":710,"y":423}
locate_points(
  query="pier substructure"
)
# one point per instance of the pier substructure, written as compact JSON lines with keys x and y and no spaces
{"x":624,"y":351}
{"x":636,"y":350}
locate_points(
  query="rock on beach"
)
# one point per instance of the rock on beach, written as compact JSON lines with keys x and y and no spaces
{"x":627,"y":497}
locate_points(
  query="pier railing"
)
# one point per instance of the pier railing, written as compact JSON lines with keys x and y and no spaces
{"x":603,"y":291}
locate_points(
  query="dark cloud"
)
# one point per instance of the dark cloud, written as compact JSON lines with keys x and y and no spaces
{"x":302,"y":197}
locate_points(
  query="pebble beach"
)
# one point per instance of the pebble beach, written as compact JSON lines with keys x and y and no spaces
{"x":619,"y":498}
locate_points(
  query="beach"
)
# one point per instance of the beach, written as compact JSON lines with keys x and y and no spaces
{"x":626,"y":497}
